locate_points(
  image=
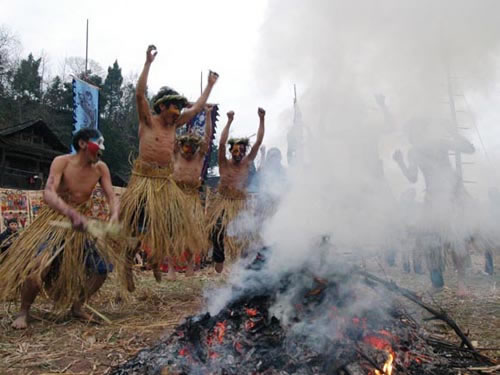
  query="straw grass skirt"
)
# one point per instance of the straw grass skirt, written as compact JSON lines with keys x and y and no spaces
{"x":60,"y":259}
{"x":223,"y":208}
{"x":154,"y":208}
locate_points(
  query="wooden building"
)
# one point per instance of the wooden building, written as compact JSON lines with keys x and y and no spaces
{"x":26,"y":152}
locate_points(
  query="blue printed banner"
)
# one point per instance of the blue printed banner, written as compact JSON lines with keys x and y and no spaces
{"x":85,"y":105}
{"x":197,"y":126}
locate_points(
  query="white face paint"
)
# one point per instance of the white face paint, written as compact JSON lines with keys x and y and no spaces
{"x":99,"y":141}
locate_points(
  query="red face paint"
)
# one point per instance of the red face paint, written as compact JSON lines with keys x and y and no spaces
{"x":93,"y":148}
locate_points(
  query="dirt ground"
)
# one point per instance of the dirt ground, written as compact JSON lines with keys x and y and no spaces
{"x":67,"y":346}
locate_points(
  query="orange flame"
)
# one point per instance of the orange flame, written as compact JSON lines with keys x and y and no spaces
{"x":387,"y":369}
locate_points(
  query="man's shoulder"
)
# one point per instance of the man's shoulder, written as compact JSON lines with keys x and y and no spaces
{"x":101,"y":166}
{"x":62,"y":160}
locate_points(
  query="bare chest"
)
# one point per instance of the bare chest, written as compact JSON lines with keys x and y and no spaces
{"x":156,"y":143}
{"x":78,"y":184}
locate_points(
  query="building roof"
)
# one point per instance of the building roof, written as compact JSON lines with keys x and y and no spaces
{"x":42,"y":126}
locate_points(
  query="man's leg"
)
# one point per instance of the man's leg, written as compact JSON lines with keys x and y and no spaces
{"x":217,"y":235}
{"x":29,"y":291}
{"x":190,"y":263}
{"x":94,"y":283}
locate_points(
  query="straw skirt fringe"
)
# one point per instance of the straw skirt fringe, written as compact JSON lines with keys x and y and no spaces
{"x":154,"y":203}
{"x":223,"y":208}
{"x":40,"y":247}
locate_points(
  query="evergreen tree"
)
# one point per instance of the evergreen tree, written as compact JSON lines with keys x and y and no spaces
{"x":27,"y":79}
{"x":112,"y":93}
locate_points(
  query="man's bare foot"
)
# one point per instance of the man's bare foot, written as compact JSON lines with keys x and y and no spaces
{"x":157,"y":274}
{"x":79,"y":313}
{"x":171,"y":274}
{"x":219,"y":267}
{"x":129,"y":279}
{"x":21,"y":321}
{"x":189,"y":270}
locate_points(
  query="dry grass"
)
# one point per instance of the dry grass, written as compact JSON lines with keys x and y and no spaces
{"x":66,"y":346}
{"x":478,"y":314}
{"x":63,"y":345}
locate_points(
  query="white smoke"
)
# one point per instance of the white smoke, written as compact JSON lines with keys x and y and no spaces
{"x":342,"y":54}
{"x":341,"y":196}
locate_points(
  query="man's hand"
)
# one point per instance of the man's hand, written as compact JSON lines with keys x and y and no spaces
{"x":230,"y":115}
{"x":398,"y":156}
{"x":261,"y":113}
{"x":151,"y":53}
{"x":78,"y":221}
{"x":212,"y":78}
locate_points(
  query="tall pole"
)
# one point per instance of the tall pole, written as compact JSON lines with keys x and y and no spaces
{"x":87,"y":49}
{"x":458,"y":155}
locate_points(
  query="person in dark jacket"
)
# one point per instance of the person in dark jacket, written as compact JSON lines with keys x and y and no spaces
{"x":8,"y":235}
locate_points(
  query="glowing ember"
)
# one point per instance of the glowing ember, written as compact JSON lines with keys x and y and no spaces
{"x":387,"y":369}
{"x":377,"y":342}
{"x":249,"y":325}
{"x":183,"y":352}
{"x":238,"y":347}
{"x":251,"y":312}
{"x":219,"y":330}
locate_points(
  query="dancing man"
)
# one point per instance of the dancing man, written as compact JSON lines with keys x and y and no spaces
{"x":150,"y":205}
{"x":189,"y":157}
{"x":231,"y":196}
{"x":443,"y":223}
{"x":69,"y":263}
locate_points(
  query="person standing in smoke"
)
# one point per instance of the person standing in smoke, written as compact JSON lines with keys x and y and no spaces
{"x":151,"y":202}
{"x":442,"y":226}
{"x":189,"y":156}
{"x":231,"y":196}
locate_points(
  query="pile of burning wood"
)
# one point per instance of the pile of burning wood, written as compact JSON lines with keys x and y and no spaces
{"x":345,"y":323}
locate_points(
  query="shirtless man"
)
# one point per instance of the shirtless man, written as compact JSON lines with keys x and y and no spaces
{"x":445,"y":195}
{"x":149,"y":202}
{"x":231,"y":192}
{"x":71,"y":181}
{"x":189,"y":156}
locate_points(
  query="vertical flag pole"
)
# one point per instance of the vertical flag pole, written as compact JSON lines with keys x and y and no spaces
{"x":87,"y":49}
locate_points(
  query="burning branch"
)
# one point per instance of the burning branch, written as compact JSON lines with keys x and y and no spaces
{"x":441,"y":315}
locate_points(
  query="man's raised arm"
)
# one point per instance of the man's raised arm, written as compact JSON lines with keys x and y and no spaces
{"x":410,"y":171}
{"x":190,"y":112}
{"x":52,"y":198}
{"x":140,"y":91}
{"x":260,"y":136}
{"x":208,"y":127}
{"x":223,"y":139}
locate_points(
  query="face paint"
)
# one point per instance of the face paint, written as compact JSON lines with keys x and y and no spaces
{"x":238,"y":152}
{"x":174,"y":109}
{"x":96,"y":146}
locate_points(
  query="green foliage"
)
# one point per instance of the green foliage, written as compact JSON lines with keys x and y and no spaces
{"x":27,"y":79}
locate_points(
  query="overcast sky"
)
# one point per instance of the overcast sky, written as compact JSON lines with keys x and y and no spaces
{"x":191,"y":36}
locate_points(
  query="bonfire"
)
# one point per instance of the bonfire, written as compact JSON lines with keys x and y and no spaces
{"x":344,"y":321}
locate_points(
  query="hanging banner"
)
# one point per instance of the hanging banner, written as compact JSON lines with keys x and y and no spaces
{"x":85,"y":105}
{"x":14,"y":205}
{"x":197,"y":126}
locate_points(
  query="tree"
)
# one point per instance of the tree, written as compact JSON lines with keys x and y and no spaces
{"x":27,"y":79}
{"x":59,"y":95}
{"x":9,"y":48}
{"x":112,"y":93}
